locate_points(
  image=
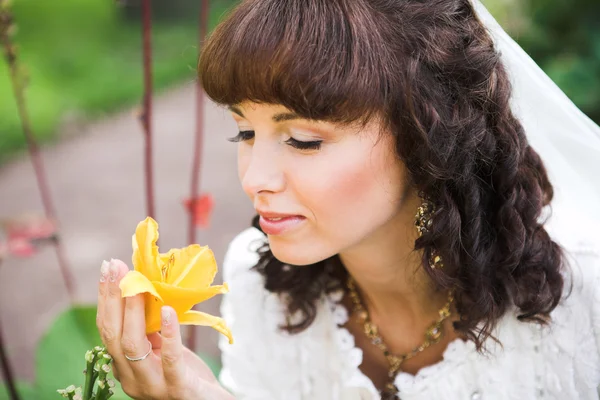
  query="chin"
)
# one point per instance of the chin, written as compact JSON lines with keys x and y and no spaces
{"x":297,"y":253}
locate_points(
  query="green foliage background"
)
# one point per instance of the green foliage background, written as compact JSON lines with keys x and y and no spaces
{"x":84,"y":60}
{"x":563,"y":36}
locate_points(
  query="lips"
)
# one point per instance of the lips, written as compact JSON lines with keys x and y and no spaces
{"x":279,"y":224}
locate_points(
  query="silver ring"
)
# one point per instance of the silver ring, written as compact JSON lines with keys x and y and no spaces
{"x":142,"y":357}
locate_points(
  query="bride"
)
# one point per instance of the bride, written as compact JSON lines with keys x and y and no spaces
{"x":402,"y":157}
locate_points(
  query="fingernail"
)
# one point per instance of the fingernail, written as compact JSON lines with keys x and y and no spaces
{"x":113,"y":270}
{"x":165,"y":314}
{"x":104,"y":271}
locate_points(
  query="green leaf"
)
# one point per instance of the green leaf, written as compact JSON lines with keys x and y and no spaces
{"x":60,"y":356}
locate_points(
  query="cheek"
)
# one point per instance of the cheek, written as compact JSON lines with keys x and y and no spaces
{"x":338,"y":186}
{"x":353,"y":192}
{"x":361,"y":186}
{"x":243,"y":161}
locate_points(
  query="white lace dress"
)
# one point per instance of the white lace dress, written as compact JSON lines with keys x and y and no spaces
{"x":557,"y":362}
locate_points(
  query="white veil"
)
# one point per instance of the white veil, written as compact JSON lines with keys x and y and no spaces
{"x":566,"y":139}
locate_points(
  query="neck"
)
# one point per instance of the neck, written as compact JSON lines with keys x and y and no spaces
{"x":388,"y":272}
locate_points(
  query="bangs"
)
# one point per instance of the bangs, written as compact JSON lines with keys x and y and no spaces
{"x":322,"y":59}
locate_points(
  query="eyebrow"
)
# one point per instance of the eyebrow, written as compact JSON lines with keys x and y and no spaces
{"x":276,"y":118}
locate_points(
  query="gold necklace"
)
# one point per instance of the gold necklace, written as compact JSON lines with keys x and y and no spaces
{"x":433,"y":335}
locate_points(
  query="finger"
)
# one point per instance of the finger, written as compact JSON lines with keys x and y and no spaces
{"x":134,"y":343}
{"x":156,"y":340}
{"x":197,"y":364}
{"x":172,"y":348}
{"x":101,"y":294}
{"x":116,"y":373}
{"x":112,"y":320}
{"x":189,"y":356}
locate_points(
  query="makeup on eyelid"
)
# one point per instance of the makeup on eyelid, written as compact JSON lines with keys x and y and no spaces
{"x":246,"y":135}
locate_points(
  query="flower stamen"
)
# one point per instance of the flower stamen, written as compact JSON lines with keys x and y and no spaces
{"x":165,"y":269}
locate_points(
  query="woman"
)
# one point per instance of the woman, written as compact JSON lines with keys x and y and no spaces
{"x":400,"y":248}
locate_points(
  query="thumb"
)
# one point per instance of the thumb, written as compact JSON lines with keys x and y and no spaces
{"x":172,"y":348}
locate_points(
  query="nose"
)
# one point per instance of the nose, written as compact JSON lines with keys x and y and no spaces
{"x":261,"y":171}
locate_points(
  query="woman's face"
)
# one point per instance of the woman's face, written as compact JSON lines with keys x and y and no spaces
{"x":320,"y":189}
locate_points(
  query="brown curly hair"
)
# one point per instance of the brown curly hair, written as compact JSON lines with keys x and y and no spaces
{"x":429,"y":70}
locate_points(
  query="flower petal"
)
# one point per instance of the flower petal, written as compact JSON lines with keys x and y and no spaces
{"x":152,"y":311}
{"x":193,"y":267}
{"x":182,"y":299}
{"x":135,"y":283}
{"x":204,"y":319}
{"x":145,"y":251}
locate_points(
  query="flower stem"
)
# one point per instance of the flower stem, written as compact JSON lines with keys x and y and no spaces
{"x":89,"y":383}
{"x":90,"y":378}
{"x":102,"y":366}
{"x":104,"y":393}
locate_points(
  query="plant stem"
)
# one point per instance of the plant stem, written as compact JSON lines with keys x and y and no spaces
{"x":89,"y":381}
{"x":7,"y":372}
{"x":147,"y":109}
{"x":196,"y":163}
{"x":103,"y":393}
{"x":18,"y":85}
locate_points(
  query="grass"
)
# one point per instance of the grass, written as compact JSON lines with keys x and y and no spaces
{"x":83,"y":58}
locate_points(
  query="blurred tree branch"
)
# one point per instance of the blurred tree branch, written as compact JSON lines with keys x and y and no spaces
{"x":19,"y":83}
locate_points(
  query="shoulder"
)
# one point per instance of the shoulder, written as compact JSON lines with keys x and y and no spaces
{"x":575,"y":326}
{"x":582,"y":273}
{"x":576,"y":318}
{"x":563,"y":356}
{"x":574,"y":333}
{"x":578,"y":236}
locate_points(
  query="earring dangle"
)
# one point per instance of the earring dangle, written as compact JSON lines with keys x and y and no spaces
{"x":423,"y":223}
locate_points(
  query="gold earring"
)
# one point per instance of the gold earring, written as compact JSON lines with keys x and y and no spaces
{"x":423,"y":223}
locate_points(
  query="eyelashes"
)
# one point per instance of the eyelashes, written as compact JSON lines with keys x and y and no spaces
{"x":297,"y":144}
{"x":300,"y":145}
{"x":242,"y":136}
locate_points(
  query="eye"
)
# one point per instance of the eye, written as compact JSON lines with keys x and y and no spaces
{"x":300,"y":145}
{"x":242,"y":136}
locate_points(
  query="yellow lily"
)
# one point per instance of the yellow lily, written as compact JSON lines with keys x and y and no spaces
{"x":179,"y":278}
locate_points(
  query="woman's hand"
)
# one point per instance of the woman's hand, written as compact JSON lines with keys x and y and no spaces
{"x":170,"y":371}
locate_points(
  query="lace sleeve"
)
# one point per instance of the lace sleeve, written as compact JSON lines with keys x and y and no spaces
{"x":596,"y":298}
{"x":584,"y":314}
{"x":595,"y":282}
{"x":241,"y":310}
